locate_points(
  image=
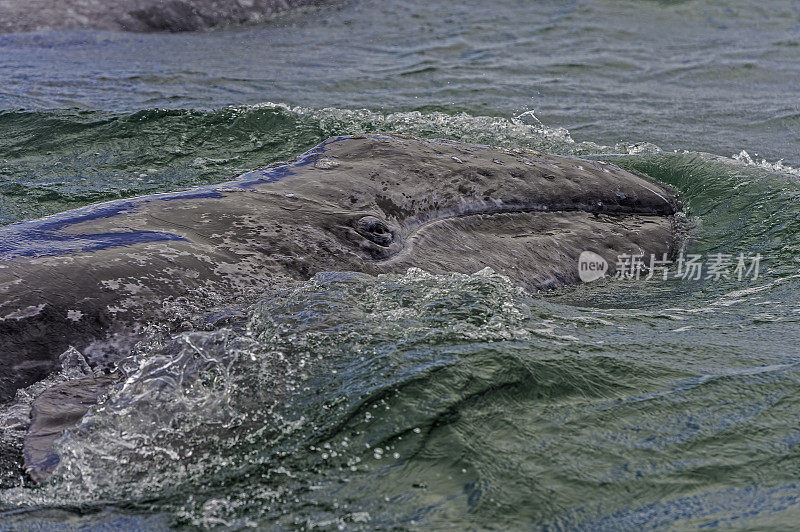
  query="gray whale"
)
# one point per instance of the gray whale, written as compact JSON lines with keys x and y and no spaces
{"x":138,"y":15}
{"x":92,"y":278}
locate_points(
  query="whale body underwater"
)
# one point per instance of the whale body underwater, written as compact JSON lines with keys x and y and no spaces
{"x":139,"y":15}
{"x":92,"y":279}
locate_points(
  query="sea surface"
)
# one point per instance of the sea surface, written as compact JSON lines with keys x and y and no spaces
{"x":436,"y":401}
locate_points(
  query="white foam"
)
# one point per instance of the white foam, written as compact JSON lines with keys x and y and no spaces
{"x":745,"y":158}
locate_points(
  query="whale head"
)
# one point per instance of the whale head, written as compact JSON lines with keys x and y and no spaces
{"x":384,"y":203}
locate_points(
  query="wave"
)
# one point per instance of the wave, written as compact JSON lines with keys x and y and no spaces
{"x":57,"y":160}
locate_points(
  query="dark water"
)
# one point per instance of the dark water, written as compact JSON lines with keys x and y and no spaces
{"x":438,"y":401}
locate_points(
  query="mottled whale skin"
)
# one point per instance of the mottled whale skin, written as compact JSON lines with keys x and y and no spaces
{"x":18,"y":16}
{"x":92,"y":278}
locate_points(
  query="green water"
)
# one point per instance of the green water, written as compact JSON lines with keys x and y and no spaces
{"x":446,"y":402}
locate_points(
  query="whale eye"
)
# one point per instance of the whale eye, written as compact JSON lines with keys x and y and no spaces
{"x":375,"y":229}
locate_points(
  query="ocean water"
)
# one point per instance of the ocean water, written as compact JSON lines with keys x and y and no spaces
{"x":451,"y":401}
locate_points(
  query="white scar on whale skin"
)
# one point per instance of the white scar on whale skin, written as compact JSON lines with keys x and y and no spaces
{"x":28,"y":312}
{"x":9,"y":284}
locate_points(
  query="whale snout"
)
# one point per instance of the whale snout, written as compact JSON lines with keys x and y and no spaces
{"x":447,"y":206}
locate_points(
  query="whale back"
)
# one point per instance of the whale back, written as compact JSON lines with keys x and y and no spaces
{"x":138,"y":15}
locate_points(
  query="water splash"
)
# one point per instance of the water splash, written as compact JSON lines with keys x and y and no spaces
{"x":289,"y":395}
{"x":360,"y":401}
{"x":777,"y":167}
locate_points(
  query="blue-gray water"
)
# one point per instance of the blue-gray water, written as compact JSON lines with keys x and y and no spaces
{"x":439,"y":401}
